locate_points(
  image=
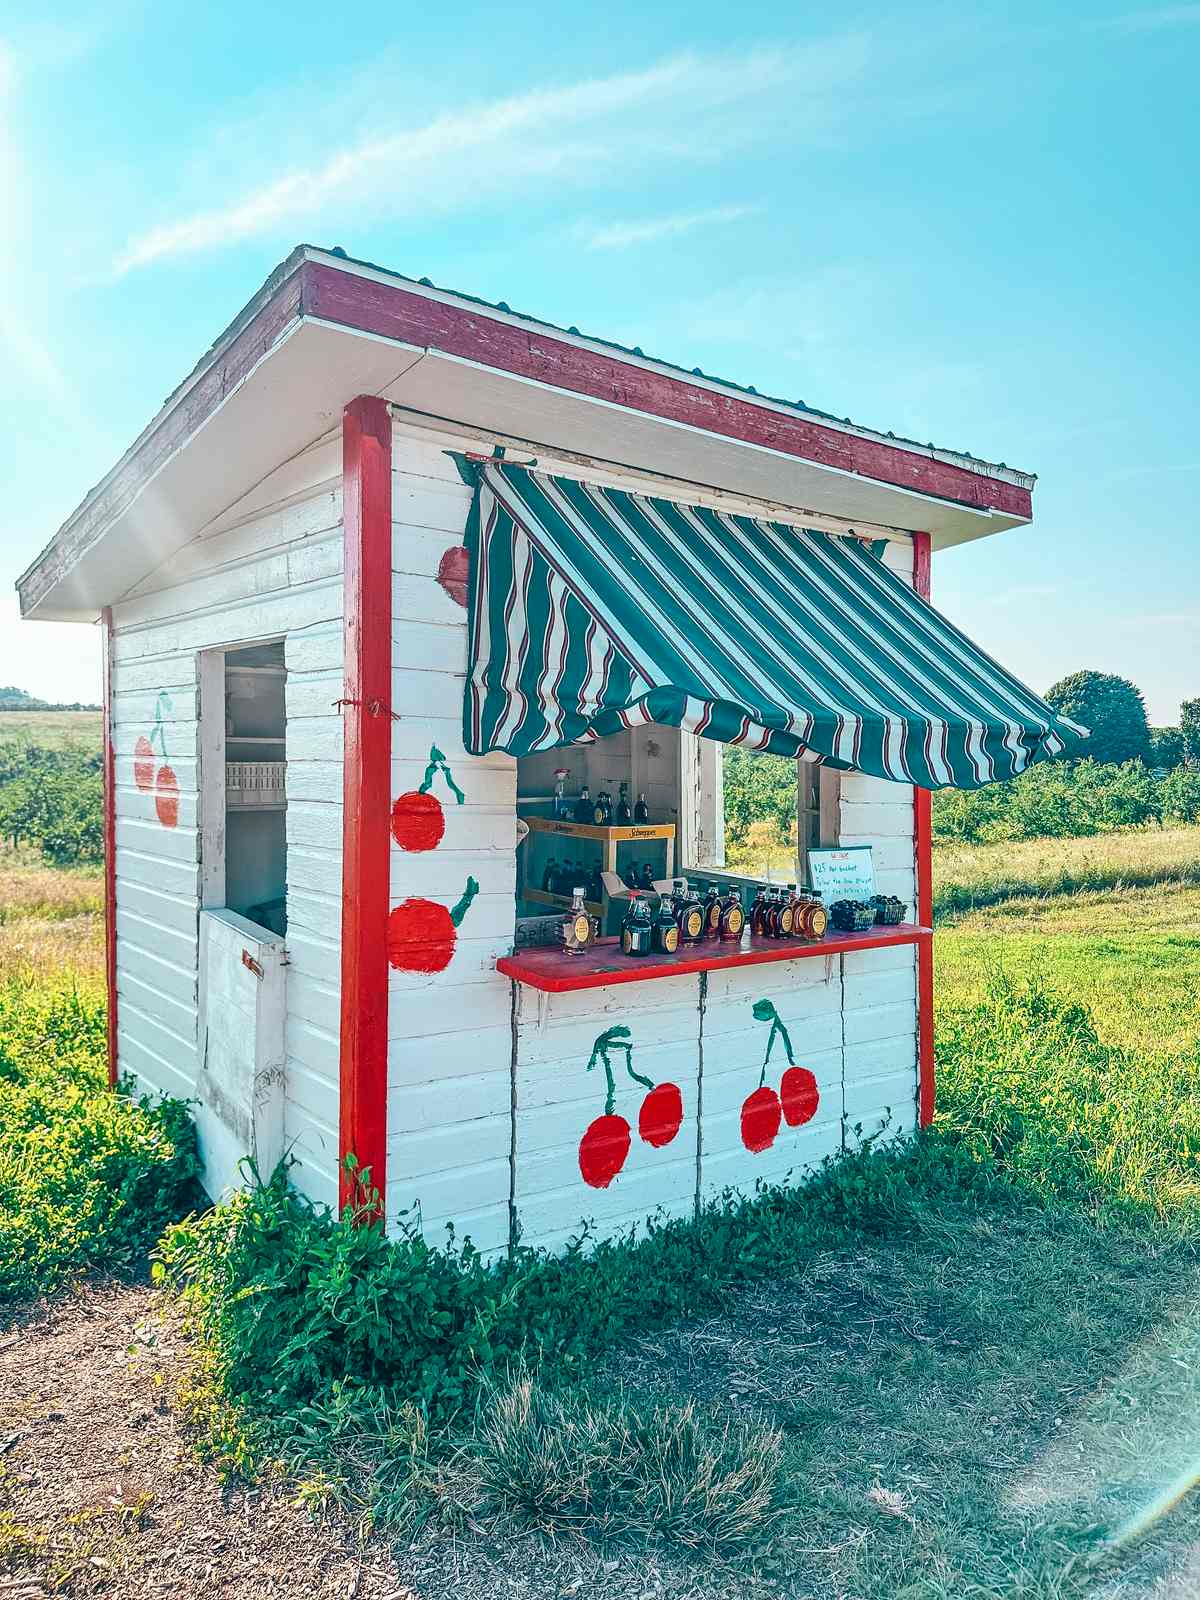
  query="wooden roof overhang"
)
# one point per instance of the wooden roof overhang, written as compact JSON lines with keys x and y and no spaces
{"x":324,"y":329}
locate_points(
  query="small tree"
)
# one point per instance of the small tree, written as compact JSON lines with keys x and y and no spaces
{"x":1111,"y":708}
{"x":1166,"y":748}
{"x":1189,"y":731}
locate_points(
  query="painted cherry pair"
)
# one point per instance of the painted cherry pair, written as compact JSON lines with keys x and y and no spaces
{"x":795,"y":1102}
{"x":162,"y":781}
{"x":604,"y":1148}
{"x":422,"y":934}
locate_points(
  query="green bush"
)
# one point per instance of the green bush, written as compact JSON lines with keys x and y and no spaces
{"x":53,"y":800}
{"x":1062,"y":800}
{"x":87,"y":1178}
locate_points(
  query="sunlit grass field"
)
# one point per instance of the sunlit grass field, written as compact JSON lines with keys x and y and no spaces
{"x":51,"y":920}
{"x":53,"y":729}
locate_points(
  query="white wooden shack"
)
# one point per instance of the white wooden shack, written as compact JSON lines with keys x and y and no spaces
{"x":352,"y":632}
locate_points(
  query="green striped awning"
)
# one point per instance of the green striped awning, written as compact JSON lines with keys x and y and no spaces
{"x":593,"y":610}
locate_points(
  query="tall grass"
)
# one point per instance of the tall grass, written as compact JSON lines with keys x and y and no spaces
{"x":968,"y":876}
{"x":87,"y":1178}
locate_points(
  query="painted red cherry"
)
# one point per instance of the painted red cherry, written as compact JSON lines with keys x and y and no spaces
{"x":143,"y":764}
{"x":603,"y":1150}
{"x":418,"y":821}
{"x":421,"y":934}
{"x":799,"y":1096}
{"x":661,"y":1115}
{"x":166,"y":797}
{"x":454,"y":572}
{"x":761,"y":1114}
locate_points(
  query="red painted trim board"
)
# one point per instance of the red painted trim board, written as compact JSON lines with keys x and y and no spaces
{"x":110,"y":851}
{"x":923,"y":867}
{"x":366,"y":791}
{"x":387,"y":309}
{"x":559,"y":973}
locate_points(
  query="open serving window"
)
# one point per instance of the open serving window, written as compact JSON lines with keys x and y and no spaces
{"x":620,"y":642}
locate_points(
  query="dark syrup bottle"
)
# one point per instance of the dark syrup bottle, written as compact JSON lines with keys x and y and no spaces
{"x":624,"y":814}
{"x":666,"y":929}
{"x":732,"y":916}
{"x":712,"y":912}
{"x":641,"y":811}
{"x":583,"y":806}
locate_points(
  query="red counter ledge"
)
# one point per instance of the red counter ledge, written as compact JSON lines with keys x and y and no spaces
{"x":557,"y":972}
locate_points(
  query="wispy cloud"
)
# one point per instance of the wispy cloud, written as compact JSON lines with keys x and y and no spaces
{"x":1154,"y":20}
{"x":689,"y":108}
{"x":620,"y":235}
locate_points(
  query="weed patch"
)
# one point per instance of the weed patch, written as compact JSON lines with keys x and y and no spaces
{"x":87,"y":1178}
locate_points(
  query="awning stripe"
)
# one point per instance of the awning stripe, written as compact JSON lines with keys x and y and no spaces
{"x":594,"y":609}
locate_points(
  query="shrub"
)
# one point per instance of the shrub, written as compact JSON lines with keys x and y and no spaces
{"x":53,"y":800}
{"x":87,"y":1178}
{"x":1061,"y":800}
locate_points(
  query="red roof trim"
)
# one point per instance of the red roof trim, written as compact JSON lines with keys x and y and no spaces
{"x":351,"y":300}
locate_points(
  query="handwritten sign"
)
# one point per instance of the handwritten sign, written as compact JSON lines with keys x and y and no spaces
{"x":843,"y":874}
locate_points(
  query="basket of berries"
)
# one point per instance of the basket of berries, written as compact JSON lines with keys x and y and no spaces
{"x":852,"y":916}
{"x":889,"y":910}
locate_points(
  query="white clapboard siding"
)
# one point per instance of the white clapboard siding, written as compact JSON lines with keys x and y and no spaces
{"x":557,"y":1099}
{"x":807,"y":997}
{"x":450,"y":1038}
{"x":269,"y":567}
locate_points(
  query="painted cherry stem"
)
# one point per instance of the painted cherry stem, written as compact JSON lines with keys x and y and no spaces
{"x":464,"y":905}
{"x":158,"y":724}
{"x":437,"y":763}
{"x":764,"y":1011}
{"x":615,"y":1039}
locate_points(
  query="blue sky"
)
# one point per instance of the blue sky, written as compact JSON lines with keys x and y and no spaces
{"x":975,"y":226}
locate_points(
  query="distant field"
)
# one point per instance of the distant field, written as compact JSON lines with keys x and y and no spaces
{"x":52,"y":729}
{"x":51,"y":919}
{"x":969,"y":876}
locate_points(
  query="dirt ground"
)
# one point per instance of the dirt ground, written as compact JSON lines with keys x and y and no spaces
{"x":101,"y":1495}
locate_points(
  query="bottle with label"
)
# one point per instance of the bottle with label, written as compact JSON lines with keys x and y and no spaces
{"x":637,"y":928}
{"x":787,"y":912}
{"x":812,"y":918}
{"x":641,"y":811}
{"x":758,"y":911}
{"x":602,"y":810}
{"x":578,"y":929}
{"x":712,"y":911}
{"x":583,"y":806}
{"x":666,"y":929}
{"x":647,"y":878}
{"x":733,"y":915}
{"x":624,"y":814}
{"x":561,"y":774}
{"x":771,"y":914}
{"x":689,"y":914}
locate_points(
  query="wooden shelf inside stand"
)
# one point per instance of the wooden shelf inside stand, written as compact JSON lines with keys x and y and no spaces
{"x":557,"y":972}
{"x":586,"y":830}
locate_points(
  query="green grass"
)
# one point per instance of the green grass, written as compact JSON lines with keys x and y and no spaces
{"x":970,"y":876}
{"x":87,"y":1178}
{"x":53,"y":729}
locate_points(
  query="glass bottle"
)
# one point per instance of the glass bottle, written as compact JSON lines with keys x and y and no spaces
{"x":561,"y":774}
{"x":636,"y":929}
{"x":771,"y":914}
{"x":624,"y":814}
{"x":758,"y":912}
{"x":583,"y":806}
{"x":602,"y":810}
{"x":689,"y":914}
{"x":647,"y":879}
{"x":641,"y":811}
{"x":712,"y":911}
{"x":666,"y":929}
{"x":733,"y":915}
{"x":787,"y":912}
{"x":577,"y":926}
{"x":549,"y":875}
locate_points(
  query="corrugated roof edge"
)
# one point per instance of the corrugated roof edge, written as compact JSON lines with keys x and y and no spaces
{"x":798,"y":406}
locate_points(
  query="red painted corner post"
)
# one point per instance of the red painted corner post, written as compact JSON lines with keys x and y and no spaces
{"x":366,"y":793}
{"x":110,"y":850}
{"x":923,"y":866}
